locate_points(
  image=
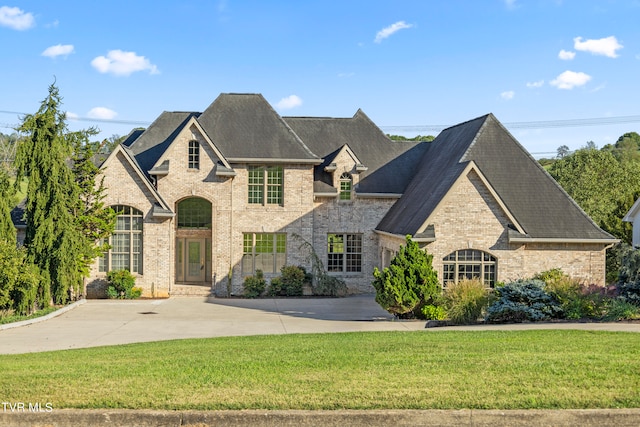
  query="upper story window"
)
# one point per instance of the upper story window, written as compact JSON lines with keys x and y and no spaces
{"x":346,"y":186}
{"x":469,"y":264}
{"x":125,"y":242}
{"x":194,"y":212}
{"x":194,"y":155}
{"x":265,"y":185}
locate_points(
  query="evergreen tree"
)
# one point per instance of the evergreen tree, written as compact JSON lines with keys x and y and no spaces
{"x":95,"y":221}
{"x":7,"y":230}
{"x":409,"y":283}
{"x":53,"y":241}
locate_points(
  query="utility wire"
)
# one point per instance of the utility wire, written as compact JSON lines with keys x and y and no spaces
{"x":542,"y":124}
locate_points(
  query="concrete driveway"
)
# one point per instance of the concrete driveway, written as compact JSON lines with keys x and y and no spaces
{"x":108,"y":322}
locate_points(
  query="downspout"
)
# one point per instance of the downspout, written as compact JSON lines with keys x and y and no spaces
{"x":230,"y":277}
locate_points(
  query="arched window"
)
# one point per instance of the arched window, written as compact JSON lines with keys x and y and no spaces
{"x":469,"y":264}
{"x":194,"y":155}
{"x":194,"y":212}
{"x":346,"y":185}
{"x":125,"y":242}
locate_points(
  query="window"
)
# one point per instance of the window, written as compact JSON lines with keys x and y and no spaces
{"x":194,"y":155}
{"x":265,"y":185}
{"x":194,"y":213}
{"x":344,"y":253}
{"x":263,"y":251}
{"x":469,"y":264}
{"x":125,"y":242}
{"x":346,"y":184}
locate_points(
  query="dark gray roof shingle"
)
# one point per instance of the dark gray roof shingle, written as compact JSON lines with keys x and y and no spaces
{"x":535,"y":200}
{"x":390,"y":164}
{"x":245,"y":126}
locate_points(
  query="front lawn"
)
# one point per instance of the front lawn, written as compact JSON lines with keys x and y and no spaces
{"x":375,"y":370}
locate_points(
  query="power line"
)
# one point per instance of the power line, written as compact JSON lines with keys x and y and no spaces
{"x":541,"y":124}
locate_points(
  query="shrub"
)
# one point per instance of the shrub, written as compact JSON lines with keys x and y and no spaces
{"x":628,"y":284}
{"x":466,"y":301}
{"x":254,"y":286}
{"x":330,"y":286}
{"x":434,"y":312}
{"x":293,"y":280}
{"x":275,"y":287}
{"x":19,"y":280}
{"x":408,"y":284}
{"x":619,"y":309}
{"x":578,"y":301}
{"x":523,"y":300}
{"x":121,"y":285}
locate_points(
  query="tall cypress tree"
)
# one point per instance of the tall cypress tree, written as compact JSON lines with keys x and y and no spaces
{"x":54,"y":242}
{"x":7,"y":230}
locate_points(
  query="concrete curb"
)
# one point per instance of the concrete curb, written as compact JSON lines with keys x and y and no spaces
{"x":352,"y":418}
{"x":43,"y":318}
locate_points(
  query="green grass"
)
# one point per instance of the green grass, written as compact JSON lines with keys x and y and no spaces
{"x":17,"y":318}
{"x":373,"y":370}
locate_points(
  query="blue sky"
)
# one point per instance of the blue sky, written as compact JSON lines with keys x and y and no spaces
{"x":409,"y":65}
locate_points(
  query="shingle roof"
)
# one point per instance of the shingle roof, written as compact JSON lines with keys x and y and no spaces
{"x":538,"y":204}
{"x":149,"y":145}
{"x":245,"y":126}
{"x":390,"y":164}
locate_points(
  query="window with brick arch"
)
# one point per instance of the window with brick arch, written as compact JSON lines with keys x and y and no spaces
{"x":469,"y":264}
{"x":125,"y":242}
{"x":346,"y":186}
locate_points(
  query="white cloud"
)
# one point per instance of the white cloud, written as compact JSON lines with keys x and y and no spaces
{"x":71,"y":116}
{"x":507,"y":95}
{"x":570,"y":79}
{"x":58,"y":50}
{"x":511,"y":4}
{"x":101,"y":113}
{"x":388,"y":31}
{"x":289,"y":102}
{"x":566,"y":55}
{"x":16,"y":18}
{"x":539,"y":83}
{"x":123,"y":63}
{"x":606,"y":46}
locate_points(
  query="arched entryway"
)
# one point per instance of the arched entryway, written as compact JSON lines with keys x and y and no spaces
{"x":193,"y":241}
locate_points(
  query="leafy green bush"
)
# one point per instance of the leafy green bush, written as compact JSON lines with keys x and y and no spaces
{"x":523,"y":300}
{"x":408,"y":284}
{"x":254,"y":286}
{"x":434,"y":312}
{"x":293,"y":280}
{"x":275,"y":288}
{"x":19,"y":280}
{"x":121,"y":285}
{"x":466,"y":301}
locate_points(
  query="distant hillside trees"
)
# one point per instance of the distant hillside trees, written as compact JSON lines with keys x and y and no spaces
{"x":418,"y":138}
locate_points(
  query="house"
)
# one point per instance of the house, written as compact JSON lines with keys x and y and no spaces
{"x":633,"y":216}
{"x":206,"y":199}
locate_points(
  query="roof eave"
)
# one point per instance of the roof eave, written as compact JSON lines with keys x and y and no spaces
{"x":273,"y":160}
{"x":561,"y":240}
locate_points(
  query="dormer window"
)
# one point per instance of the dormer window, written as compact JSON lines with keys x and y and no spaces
{"x":346,"y":186}
{"x":194,"y":155}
